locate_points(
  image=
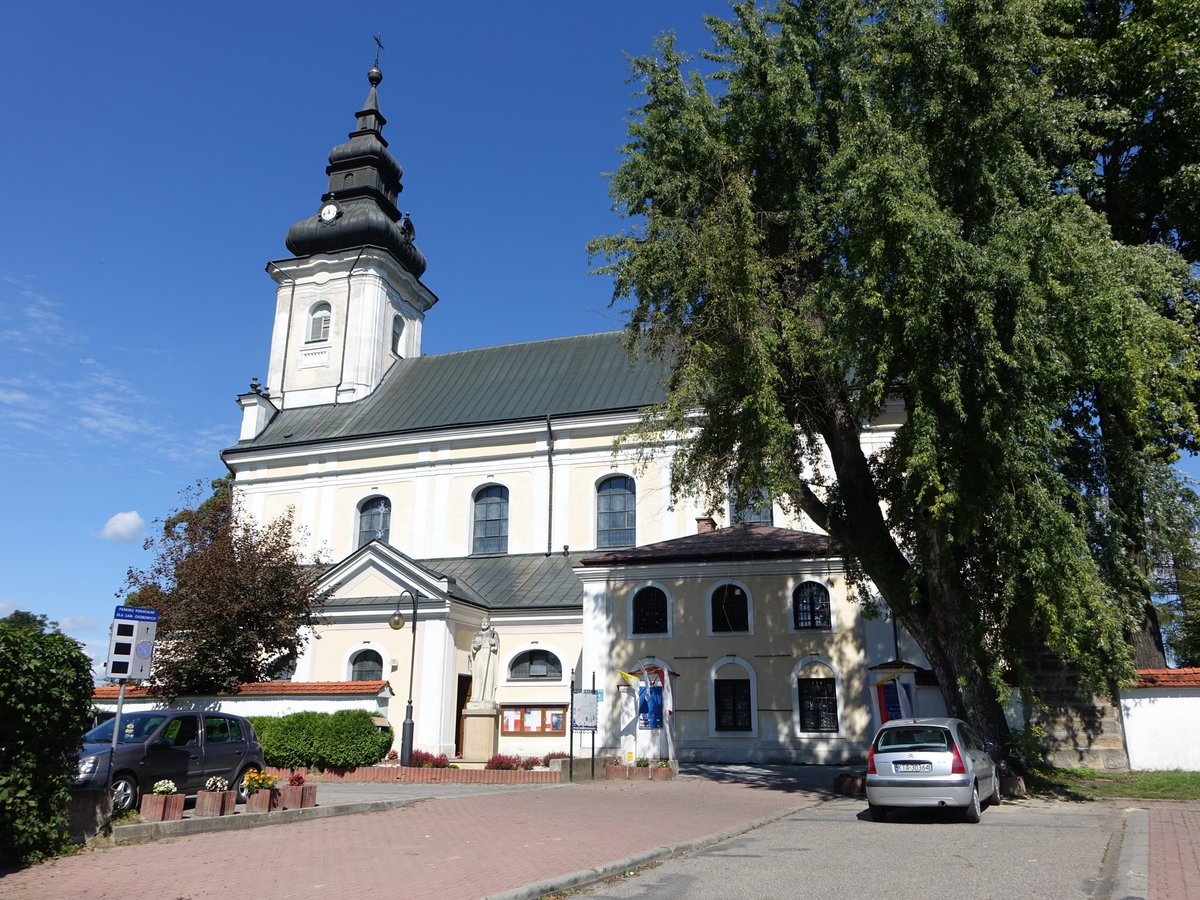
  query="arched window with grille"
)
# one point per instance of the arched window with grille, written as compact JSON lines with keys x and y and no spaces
{"x":491,"y":520}
{"x":374,"y":520}
{"x":815,"y":698}
{"x":616,"y":519}
{"x":366,"y":665}
{"x":810,"y":607}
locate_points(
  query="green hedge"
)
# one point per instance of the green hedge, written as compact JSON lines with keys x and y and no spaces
{"x":342,"y":740}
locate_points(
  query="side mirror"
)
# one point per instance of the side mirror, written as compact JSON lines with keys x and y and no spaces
{"x":990,"y":749}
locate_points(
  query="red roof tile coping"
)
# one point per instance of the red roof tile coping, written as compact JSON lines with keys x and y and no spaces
{"x":268,"y":689}
{"x":1168,"y":678}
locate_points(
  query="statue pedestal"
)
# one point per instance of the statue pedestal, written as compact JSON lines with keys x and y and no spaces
{"x":481,"y":730}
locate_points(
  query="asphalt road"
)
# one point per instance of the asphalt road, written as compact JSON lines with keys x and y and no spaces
{"x":1028,"y":848}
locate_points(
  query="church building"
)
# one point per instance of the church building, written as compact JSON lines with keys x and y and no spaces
{"x":480,"y":490}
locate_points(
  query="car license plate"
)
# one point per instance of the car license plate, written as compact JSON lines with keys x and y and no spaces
{"x":914,"y":767}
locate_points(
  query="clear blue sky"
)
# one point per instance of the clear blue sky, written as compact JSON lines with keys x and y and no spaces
{"x":154,"y":155}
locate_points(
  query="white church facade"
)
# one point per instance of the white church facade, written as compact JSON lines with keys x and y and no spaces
{"x":484,"y":484}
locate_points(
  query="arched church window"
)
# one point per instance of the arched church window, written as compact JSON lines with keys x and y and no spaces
{"x":374,"y":520}
{"x":491,"y":520}
{"x":616,"y":519}
{"x":397,"y":334}
{"x":535,"y":664}
{"x":366,"y":665}
{"x":318,"y":322}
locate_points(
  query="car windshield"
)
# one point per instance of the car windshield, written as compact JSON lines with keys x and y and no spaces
{"x":893,"y":740}
{"x":135,"y":728}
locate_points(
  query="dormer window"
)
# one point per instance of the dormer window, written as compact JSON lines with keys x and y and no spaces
{"x":318,"y":322}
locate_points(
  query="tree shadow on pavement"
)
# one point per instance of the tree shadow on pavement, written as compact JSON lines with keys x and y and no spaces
{"x":786,"y":779}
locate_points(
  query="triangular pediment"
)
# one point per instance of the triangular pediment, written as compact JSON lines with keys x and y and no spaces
{"x":378,"y":570}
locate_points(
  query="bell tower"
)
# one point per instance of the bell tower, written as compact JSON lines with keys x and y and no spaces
{"x":350,"y":303}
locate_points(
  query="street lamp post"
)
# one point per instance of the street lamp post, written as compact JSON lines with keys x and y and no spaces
{"x":396,"y":622}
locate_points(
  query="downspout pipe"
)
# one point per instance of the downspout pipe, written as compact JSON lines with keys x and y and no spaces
{"x":550,"y":496}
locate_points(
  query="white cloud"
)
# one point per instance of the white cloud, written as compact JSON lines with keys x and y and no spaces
{"x":125,"y":527}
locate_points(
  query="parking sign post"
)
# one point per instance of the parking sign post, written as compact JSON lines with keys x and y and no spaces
{"x":130,"y":653}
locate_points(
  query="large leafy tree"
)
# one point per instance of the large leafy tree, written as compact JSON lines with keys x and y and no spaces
{"x":234,"y":598}
{"x":870,"y":212}
{"x":1134,"y":67}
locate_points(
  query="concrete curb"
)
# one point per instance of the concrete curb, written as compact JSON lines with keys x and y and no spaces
{"x":151,"y":831}
{"x":1132,"y":881}
{"x":591,"y":876}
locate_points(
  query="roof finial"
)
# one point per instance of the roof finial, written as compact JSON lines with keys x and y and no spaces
{"x":375,"y":75}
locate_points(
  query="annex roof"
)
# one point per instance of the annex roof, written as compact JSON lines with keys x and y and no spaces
{"x":586,"y":374}
{"x":1168,"y":678}
{"x":267,"y":689}
{"x":740,"y":542}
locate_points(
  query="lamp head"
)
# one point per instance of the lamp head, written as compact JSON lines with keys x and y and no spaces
{"x":396,"y":621}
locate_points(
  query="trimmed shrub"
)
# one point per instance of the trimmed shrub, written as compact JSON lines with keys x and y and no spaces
{"x":345,"y":739}
{"x":530,"y":761}
{"x":503,"y":761}
{"x":45,"y":707}
{"x":557,"y":754}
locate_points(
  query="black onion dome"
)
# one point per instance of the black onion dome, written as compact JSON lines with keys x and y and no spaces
{"x":364,"y":181}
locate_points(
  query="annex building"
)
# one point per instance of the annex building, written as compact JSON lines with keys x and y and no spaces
{"x":484,"y":484}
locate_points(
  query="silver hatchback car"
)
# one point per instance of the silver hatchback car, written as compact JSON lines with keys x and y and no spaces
{"x":930,"y":763}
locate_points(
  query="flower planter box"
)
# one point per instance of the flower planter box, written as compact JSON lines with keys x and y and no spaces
{"x":298,"y":796}
{"x":215,"y":803}
{"x":162,"y":807}
{"x":620,"y":773}
{"x":662,"y":773}
{"x":264,"y":801}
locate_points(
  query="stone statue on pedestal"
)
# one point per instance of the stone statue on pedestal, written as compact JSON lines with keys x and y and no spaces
{"x":481,"y":663}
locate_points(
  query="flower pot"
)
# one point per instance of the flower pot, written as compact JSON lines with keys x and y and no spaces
{"x":264,"y":801}
{"x":662,"y":773}
{"x":162,"y":807}
{"x":618,"y":772}
{"x":215,"y":803}
{"x":298,"y":796}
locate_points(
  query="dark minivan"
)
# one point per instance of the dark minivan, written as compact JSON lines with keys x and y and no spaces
{"x":184,"y":746}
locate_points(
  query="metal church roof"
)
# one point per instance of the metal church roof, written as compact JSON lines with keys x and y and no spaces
{"x":526,"y":581}
{"x":587,"y":374}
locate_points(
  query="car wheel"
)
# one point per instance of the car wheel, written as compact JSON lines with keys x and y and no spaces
{"x":994,"y":800}
{"x":125,"y":793}
{"x":972,"y":810}
{"x":878,"y":813}
{"x":240,"y":786}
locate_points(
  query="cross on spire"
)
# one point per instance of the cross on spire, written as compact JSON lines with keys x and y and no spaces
{"x":378,"y":48}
